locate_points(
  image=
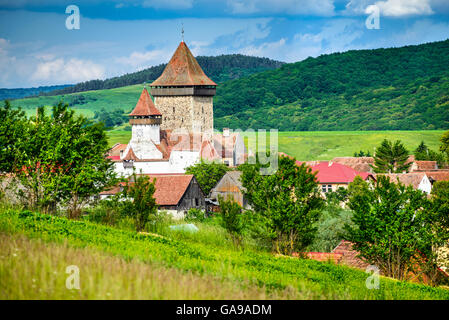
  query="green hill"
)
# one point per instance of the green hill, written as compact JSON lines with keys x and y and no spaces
{"x":220,"y":68}
{"x":403,"y":88}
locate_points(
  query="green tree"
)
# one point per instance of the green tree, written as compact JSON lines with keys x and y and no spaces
{"x":231,"y":218}
{"x":141,"y":204}
{"x":62,"y":161}
{"x":288,"y":199}
{"x":444,"y":147}
{"x":12,"y":126}
{"x":394,"y":228}
{"x":207,"y":174}
{"x":423,"y":153}
{"x":391,"y":157}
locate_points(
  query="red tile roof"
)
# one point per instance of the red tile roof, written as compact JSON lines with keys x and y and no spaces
{"x":169,"y":188}
{"x":331,"y":172}
{"x":349,"y":255}
{"x":424,"y":165}
{"x":183,"y":70}
{"x":130,"y":155}
{"x":145,"y":106}
{"x":440,"y":175}
{"x":361,"y":164}
{"x":409,"y":179}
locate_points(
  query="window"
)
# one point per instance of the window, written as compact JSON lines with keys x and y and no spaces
{"x":326,"y":188}
{"x":196,"y":202}
{"x":323,"y":188}
{"x":329,"y":188}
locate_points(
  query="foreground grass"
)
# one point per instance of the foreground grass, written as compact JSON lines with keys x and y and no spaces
{"x":33,"y":269}
{"x":277,"y":276}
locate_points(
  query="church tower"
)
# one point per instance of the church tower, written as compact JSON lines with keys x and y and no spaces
{"x":145,"y":121}
{"x":184,"y":94}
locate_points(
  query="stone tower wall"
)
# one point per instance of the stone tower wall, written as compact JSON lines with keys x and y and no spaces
{"x":194,"y":113}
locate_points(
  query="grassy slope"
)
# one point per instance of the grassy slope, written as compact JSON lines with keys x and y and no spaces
{"x":306,"y":279}
{"x":325,"y":145}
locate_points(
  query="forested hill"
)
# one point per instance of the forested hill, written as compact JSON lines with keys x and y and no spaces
{"x":397,"y":88}
{"x":219,"y":69}
{"x":18,"y":93}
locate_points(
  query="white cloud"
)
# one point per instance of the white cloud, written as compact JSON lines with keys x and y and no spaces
{"x":399,"y":8}
{"x":140,"y":60}
{"x":334,"y":36}
{"x":291,"y":7}
{"x":67,"y":71}
{"x":393,"y":8}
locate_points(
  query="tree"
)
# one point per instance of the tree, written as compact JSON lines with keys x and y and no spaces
{"x":393,"y":228}
{"x":141,"y":204}
{"x":445,"y":143}
{"x":288,"y":199}
{"x":61,"y":161}
{"x":231,"y":218}
{"x":207,"y":174}
{"x":423,"y":153}
{"x":12,"y":126}
{"x":391,"y":157}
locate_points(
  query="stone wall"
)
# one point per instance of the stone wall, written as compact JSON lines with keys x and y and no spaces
{"x":194,"y":113}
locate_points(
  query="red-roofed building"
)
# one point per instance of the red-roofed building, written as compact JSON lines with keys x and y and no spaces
{"x":332,"y":175}
{"x":175,"y":193}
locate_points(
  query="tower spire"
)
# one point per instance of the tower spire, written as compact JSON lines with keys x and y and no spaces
{"x":182,"y":32}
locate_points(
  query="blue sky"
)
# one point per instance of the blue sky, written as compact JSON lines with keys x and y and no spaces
{"x":117,"y":37}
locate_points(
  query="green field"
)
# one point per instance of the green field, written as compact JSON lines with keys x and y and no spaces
{"x":325,"y":145}
{"x":115,"y":263}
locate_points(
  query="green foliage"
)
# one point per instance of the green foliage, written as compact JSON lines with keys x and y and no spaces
{"x":194,"y":214}
{"x":311,"y":279}
{"x":111,"y":118}
{"x":394,"y":229}
{"x":289,"y":200}
{"x":60,"y":161}
{"x":231,"y":218}
{"x":382,"y":89}
{"x":361,"y":153}
{"x":391,"y":158}
{"x":445,"y":143}
{"x":207,"y":174}
{"x":140,"y":203}
{"x":12,"y":127}
{"x":423,"y":153}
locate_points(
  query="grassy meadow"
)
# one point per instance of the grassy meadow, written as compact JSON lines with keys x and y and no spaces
{"x":122,"y":264}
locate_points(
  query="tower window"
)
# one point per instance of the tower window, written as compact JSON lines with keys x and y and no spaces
{"x":173,"y":109}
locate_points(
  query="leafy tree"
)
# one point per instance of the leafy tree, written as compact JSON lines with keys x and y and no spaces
{"x":288,"y":199}
{"x":207,"y":174}
{"x":231,"y":218}
{"x":12,"y":127}
{"x":62,"y":161}
{"x":423,"y":153}
{"x":141,"y":204}
{"x":393,"y":228}
{"x":445,"y":143}
{"x":391,"y":157}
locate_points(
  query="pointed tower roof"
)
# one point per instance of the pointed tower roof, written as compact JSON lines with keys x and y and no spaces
{"x":183,"y":70}
{"x":145,"y":106}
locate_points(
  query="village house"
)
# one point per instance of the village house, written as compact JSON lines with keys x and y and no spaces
{"x":176,"y":130}
{"x":418,"y":180}
{"x":174,"y":193}
{"x":332,"y":175}
{"x":230,"y":187}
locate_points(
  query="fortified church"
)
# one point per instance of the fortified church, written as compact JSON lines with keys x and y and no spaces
{"x":176,"y":130}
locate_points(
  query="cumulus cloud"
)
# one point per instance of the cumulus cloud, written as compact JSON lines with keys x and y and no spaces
{"x":67,"y":71}
{"x":140,"y":60}
{"x":333,"y":36}
{"x":290,"y":7}
{"x":393,"y":8}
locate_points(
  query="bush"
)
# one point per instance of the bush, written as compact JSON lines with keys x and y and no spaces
{"x":231,"y":219}
{"x":195,"y":214}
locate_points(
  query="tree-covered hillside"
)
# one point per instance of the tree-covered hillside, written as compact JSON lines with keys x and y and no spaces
{"x":220,"y":68}
{"x":18,"y":93}
{"x":382,"y":89}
